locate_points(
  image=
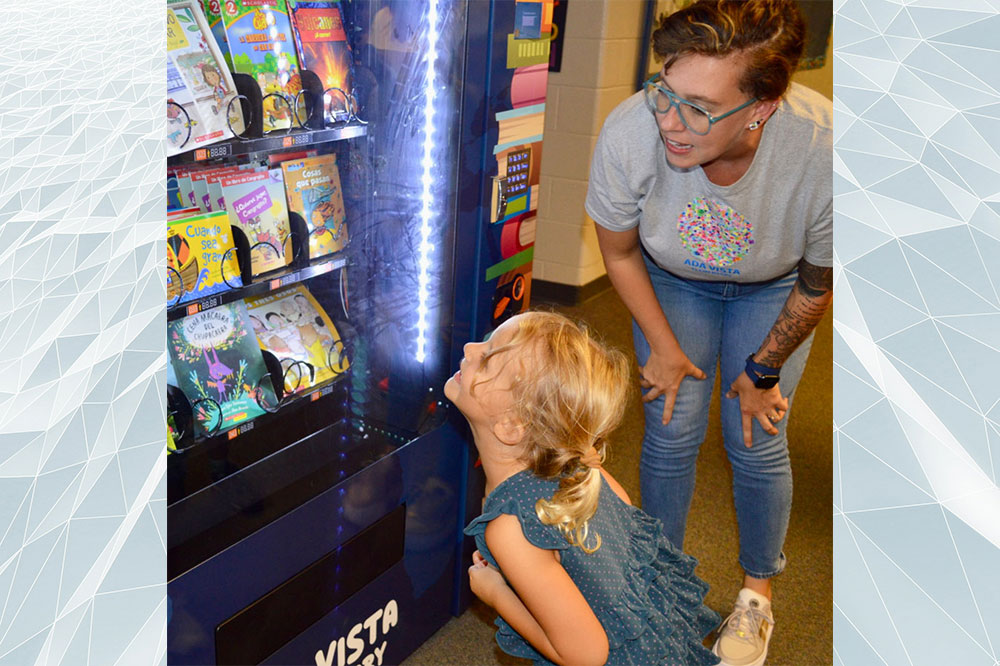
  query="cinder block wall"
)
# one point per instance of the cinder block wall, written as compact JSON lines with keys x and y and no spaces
{"x":600,"y":56}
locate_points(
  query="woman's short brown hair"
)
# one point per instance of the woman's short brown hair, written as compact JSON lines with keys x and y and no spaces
{"x":770,"y":32}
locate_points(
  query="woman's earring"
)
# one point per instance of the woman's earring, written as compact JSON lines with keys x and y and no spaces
{"x":754,"y":125}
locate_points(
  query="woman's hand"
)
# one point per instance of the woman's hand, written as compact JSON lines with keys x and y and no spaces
{"x":765,"y":405}
{"x":663,"y":374}
{"x":485,"y":580}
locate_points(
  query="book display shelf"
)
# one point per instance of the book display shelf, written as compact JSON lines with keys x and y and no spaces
{"x":287,"y":382}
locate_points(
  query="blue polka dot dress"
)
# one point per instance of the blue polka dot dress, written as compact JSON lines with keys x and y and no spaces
{"x":642,"y":589}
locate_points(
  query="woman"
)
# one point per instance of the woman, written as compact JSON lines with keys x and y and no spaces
{"x":712,"y":193}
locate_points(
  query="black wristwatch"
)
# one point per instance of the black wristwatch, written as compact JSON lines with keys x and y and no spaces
{"x":762,"y":376}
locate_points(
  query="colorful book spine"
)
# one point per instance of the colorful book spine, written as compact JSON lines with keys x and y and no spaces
{"x":312,"y":186}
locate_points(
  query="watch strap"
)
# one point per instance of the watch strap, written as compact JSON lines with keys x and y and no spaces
{"x":761,"y":375}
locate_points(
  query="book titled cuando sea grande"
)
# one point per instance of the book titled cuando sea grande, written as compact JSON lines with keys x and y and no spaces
{"x":199,"y":255}
{"x":219,"y":367}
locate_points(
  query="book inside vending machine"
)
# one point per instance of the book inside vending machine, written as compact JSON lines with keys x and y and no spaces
{"x":325,"y":196}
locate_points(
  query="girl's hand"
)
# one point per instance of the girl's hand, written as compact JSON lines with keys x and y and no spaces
{"x":485,"y":580}
{"x":765,"y":405}
{"x":663,"y":374}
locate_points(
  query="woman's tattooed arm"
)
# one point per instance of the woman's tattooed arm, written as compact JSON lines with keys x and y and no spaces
{"x":808,"y":300}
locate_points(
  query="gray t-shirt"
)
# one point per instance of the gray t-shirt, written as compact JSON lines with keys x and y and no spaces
{"x":756,"y":229}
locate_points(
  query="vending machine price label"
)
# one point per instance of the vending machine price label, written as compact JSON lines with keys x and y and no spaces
{"x":325,"y":391}
{"x":296,"y":140}
{"x":225,"y":150}
{"x":236,"y":432}
{"x":204,"y":304}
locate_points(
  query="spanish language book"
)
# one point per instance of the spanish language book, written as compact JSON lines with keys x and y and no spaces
{"x":261,"y":45}
{"x":200,"y":257}
{"x":312,"y":186}
{"x":323,"y":49}
{"x":255,"y":202}
{"x":219,"y":367}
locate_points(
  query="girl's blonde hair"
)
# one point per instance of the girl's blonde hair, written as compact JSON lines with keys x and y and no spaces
{"x":569,"y":395}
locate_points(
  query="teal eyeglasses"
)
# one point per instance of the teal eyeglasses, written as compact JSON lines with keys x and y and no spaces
{"x":695,"y":118}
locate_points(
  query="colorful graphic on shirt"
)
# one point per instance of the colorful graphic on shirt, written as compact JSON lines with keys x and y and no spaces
{"x":714,"y":232}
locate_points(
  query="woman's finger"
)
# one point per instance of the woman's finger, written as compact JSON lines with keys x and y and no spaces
{"x":766,"y":424}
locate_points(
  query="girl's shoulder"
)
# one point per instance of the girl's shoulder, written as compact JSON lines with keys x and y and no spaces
{"x":517,"y":496}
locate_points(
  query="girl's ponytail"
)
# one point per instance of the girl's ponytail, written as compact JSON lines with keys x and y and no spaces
{"x":573,"y":505}
{"x":569,"y":397}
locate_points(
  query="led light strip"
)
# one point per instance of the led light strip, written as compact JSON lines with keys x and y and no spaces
{"x":426,"y":247}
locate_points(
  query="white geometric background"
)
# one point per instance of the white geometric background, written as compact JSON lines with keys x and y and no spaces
{"x":82,"y":334}
{"x":917,"y":333}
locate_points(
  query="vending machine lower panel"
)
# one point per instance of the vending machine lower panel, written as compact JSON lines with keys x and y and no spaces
{"x":363,"y":572}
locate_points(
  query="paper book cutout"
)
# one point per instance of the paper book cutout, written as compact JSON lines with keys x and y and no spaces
{"x":219,"y":367}
{"x":293,"y":326}
{"x":261,"y":45}
{"x":199,"y":86}
{"x":527,"y":20}
{"x":312,"y":186}
{"x":323,"y":49}
{"x":255,"y":202}
{"x":199,"y":257}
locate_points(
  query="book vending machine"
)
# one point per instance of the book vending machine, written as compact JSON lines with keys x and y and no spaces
{"x":351,"y":189}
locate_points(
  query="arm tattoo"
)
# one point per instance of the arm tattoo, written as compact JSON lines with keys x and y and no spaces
{"x":814,"y":281}
{"x":801,"y":313}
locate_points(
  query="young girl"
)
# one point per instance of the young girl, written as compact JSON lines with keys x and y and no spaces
{"x":577,"y":574}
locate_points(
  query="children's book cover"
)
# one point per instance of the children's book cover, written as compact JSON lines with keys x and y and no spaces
{"x":261,"y":45}
{"x":197,"y":81}
{"x":255,"y":203}
{"x":323,"y":49}
{"x":213,"y":17}
{"x":197,"y":248}
{"x":218,"y":365}
{"x":313,"y":189}
{"x":293,"y":326}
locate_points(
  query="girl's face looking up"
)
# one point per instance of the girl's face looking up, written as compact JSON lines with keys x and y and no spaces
{"x":481,"y":389}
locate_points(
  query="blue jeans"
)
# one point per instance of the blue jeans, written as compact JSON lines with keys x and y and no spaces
{"x":720,"y":322}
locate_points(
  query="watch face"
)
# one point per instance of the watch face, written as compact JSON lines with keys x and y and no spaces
{"x":766,"y":382}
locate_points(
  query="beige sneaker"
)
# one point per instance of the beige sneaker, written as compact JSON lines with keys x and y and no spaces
{"x":744,"y":635}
